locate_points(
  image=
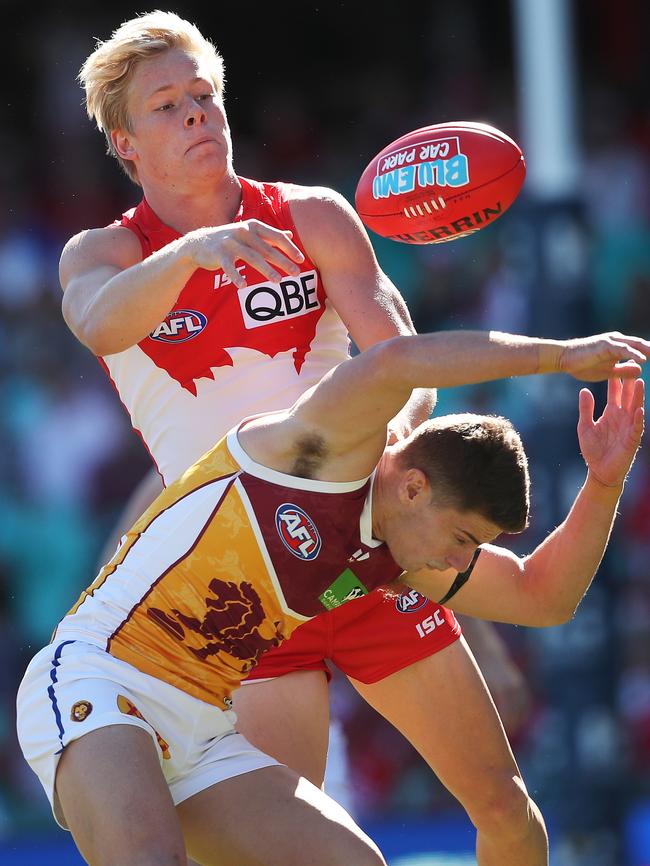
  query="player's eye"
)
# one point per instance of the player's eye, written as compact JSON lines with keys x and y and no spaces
{"x":205,"y":96}
{"x":165,"y":107}
{"x":462,"y":541}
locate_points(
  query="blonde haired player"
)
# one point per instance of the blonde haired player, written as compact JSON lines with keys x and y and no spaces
{"x":218,"y":297}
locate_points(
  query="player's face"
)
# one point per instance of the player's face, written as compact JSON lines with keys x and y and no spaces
{"x":436,"y":537}
{"x":179,"y":131}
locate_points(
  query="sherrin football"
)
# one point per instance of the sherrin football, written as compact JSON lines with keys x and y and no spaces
{"x":440,"y":183}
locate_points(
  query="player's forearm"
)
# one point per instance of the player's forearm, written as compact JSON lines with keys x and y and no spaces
{"x":135,"y":301}
{"x":450,"y":358}
{"x":559,"y":571}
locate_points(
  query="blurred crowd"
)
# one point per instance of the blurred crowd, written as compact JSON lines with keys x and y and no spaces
{"x":313,"y":114}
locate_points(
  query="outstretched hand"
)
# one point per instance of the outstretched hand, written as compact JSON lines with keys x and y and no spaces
{"x":610,"y":443}
{"x":593,"y":359}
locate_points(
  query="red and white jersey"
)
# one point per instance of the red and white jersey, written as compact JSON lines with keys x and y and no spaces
{"x":224,"y":353}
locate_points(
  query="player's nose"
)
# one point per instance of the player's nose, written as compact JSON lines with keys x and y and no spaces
{"x":195,"y":115}
{"x":460,"y":561}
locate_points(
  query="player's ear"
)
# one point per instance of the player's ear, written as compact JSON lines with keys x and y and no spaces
{"x":122,"y":144}
{"x":414,"y":485}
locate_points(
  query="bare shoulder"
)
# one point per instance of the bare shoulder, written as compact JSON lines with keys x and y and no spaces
{"x":325,"y":217}
{"x":113,"y":246}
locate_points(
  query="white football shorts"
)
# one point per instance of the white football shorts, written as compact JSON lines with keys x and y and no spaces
{"x":71,"y":688}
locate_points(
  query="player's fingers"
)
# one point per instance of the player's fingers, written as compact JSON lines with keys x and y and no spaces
{"x":629,"y":351}
{"x":627,"y":394}
{"x":637,"y":398}
{"x":614,"y":391}
{"x":280,"y":239}
{"x":260,"y":262}
{"x":639,"y":422}
{"x":626,"y":370}
{"x":586,"y":405}
{"x":636,"y":342}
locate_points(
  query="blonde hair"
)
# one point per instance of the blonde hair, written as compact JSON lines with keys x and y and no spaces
{"x":108,"y":71}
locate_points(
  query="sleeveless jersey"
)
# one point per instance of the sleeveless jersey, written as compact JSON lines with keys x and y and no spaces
{"x":223,"y":353}
{"x":224,"y":565}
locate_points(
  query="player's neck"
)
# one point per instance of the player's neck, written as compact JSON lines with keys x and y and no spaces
{"x":379,"y":495}
{"x":187,"y":209}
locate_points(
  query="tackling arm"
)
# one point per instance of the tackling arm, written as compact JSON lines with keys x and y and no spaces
{"x":350,"y":407}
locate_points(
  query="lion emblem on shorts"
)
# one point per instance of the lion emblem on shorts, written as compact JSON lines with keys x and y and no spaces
{"x":80,"y":711}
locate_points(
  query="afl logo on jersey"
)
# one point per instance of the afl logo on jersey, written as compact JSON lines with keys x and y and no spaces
{"x":179,"y":326}
{"x":297,"y":531}
{"x":410,"y":601}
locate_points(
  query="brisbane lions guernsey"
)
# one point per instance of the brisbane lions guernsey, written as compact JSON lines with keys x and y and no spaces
{"x":224,"y":565}
{"x":222,"y":353}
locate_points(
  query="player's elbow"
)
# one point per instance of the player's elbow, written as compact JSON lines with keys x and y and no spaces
{"x":88,"y":329}
{"x":389,"y":362}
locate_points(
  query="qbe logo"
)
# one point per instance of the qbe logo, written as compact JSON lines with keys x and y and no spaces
{"x":180,"y":326}
{"x":297,"y":531}
{"x":268,"y":303}
{"x":410,"y":601}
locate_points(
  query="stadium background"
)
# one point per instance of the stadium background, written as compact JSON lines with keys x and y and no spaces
{"x":314,"y":90}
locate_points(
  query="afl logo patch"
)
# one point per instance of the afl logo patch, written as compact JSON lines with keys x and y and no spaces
{"x":297,"y":531}
{"x":80,"y":711}
{"x":179,"y":326}
{"x":410,"y":601}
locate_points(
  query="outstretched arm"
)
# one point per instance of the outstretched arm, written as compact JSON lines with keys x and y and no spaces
{"x":350,"y":407}
{"x":546,"y":587}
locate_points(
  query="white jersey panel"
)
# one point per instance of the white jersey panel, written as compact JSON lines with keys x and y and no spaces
{"x":178,"y":427}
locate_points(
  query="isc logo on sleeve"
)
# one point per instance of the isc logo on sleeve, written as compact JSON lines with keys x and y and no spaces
{"x":179,"y":326}
{"x":267,"y":303}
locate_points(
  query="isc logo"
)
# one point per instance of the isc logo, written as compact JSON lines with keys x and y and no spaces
{"x":410,"y":601}
{"x":266,"y":303}
{"x":179,"y":326}
{"x":297,"y":531}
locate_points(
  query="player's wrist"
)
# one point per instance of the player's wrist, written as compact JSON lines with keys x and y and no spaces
{"x":604,"y":488}
{"x":549,"y":355}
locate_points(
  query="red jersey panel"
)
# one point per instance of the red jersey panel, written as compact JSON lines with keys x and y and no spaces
{"x":222,"y":353}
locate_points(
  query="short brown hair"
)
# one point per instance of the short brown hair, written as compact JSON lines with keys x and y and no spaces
{"x":107,"y":72}
{"x":474,"y":463}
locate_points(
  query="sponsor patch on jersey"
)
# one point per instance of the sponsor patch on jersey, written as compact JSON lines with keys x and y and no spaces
{"x":268,"y":303}
{"x":179,"y":326}
{"x":80,"y":711}
{"x":410,"y":601}
{"x":297,"y":531}
{"x":346,"y":587}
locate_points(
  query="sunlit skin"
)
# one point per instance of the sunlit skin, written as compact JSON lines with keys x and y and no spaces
{"x":179,"y":139}
{"x":420,"y":533}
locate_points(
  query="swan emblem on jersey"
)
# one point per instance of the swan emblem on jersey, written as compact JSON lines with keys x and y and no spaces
{"x":268,"y":317}
{"x":297,"y":531}
{"x":232,"y":623}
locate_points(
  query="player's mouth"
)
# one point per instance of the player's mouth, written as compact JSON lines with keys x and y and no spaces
{"x":208,"y":139}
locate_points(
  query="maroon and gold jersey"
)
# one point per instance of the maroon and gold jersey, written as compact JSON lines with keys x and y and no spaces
{"x":224,"y":565}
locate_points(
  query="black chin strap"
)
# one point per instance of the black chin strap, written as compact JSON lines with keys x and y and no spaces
{"x":461,"y":579}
